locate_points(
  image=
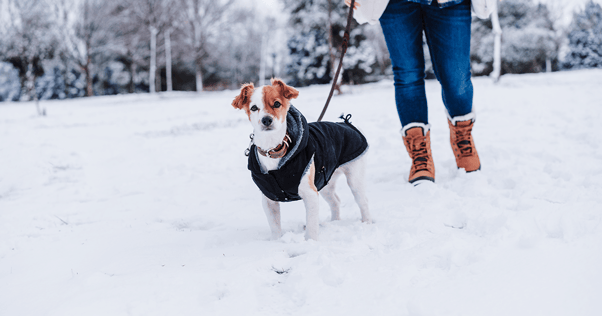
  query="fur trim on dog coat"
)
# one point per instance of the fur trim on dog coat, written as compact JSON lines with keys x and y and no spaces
{"x":328,"y":144}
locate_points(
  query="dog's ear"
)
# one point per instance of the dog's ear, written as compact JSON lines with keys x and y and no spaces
{"x":245,"y":95}
{"x":288,"y":92}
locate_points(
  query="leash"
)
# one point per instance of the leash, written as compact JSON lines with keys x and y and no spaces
{"x":344,"y":49}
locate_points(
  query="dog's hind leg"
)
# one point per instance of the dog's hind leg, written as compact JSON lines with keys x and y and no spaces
{"x":355,"y":172}
{"x":330,"y":195}
{"x":272,"y":212}
{"x":309,"y":193}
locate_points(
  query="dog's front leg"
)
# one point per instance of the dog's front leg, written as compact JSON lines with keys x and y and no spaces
{"x":272,"y":212}
{"x":309,"y":193}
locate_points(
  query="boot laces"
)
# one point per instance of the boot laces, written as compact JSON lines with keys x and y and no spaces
{"x":464,"y":140}
{"x":419,"y":153}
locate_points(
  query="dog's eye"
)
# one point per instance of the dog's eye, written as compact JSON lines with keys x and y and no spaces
{"x":277,"y":104}
{"x":254,"y":108}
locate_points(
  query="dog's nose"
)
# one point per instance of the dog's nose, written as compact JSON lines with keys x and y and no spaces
{"x":266,"y":120}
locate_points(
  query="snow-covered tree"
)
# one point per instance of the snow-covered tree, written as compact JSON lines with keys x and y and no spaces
{"x":309,"y":58}
{"x":9,"y":83}
{"x":585,"y":38}
{"x":27,"y":42}
{"x":241,"y":56}
{"x":155,"y":16}
{"x":130,"y":43}
{"x":528,"y":40}
{"x":311,"y":22}
{"x":376,"y":40}
{"x":71,"y":48}
{"x":87,"y":39}
{"x":203,"y":20}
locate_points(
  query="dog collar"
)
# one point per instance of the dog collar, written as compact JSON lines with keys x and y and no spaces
{"x":278,"y":151}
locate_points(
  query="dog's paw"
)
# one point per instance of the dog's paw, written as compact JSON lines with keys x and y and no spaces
{"x":311,"y":236}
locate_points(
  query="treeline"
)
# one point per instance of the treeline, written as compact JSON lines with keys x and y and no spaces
{"x":72,"y":48}
{"x":56,"y":49}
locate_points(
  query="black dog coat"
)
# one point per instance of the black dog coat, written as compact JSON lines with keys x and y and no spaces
{"x":328,"y":144}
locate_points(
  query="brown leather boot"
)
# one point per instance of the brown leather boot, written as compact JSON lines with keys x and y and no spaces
{"x":418,"y":143}
{"x":463,"y":145}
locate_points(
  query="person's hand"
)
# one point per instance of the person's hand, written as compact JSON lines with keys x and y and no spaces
{"x":355,"y":5}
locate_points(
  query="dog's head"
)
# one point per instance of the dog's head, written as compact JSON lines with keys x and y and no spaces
{"x":266,"y":106}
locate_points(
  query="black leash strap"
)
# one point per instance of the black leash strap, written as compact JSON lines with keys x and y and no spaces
{"x":345,"y":44}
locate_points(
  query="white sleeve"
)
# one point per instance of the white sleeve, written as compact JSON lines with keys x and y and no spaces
{"x":370,"y":11}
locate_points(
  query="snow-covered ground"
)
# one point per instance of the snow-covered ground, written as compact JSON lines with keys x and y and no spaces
{"x":142,"y":205}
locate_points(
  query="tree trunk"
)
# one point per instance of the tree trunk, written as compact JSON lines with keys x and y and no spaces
{"x":273,"y":65}
{"x":497,"y":46}
{"x":331,"y":54}
{"x":30,"y":83}
{"x":89,"y":86}
{"x":31,"y":88}
{"x":198,"y":60}
{"x":158,"y":79}
{"x":168,"y":60}
{"x":23,"y":93}
{"x":131,"y":84}
{"x":199,"y":78}
{"x":65,"y":76}
{"x":262,"y":59}
{"x":153,"y":60}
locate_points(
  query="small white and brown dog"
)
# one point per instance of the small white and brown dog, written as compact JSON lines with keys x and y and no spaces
{"x":291,"y":160}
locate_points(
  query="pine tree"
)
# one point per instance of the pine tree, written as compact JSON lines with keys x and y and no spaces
{"x":9,"y":83}
{"x":51,"y":85}
{"x":585,"y":38}
{"x":309,"y":44}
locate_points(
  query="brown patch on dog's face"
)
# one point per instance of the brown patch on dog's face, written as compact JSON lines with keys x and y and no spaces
{"x":243,"y":100}
{"x":287,"y":92}
{"x":276,"y":98}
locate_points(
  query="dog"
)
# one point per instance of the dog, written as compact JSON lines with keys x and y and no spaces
{"x":291,"y":160}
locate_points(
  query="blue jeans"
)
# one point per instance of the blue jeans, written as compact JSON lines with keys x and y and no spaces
{"x":447,"y":33}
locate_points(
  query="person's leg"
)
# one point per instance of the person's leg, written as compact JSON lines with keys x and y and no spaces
{"x":402,"y":26}
{"x":448,"y":36}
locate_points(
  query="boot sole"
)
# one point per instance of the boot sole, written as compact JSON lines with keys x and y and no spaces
{"x":473,"y":170}
{"x":419,"y":180}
